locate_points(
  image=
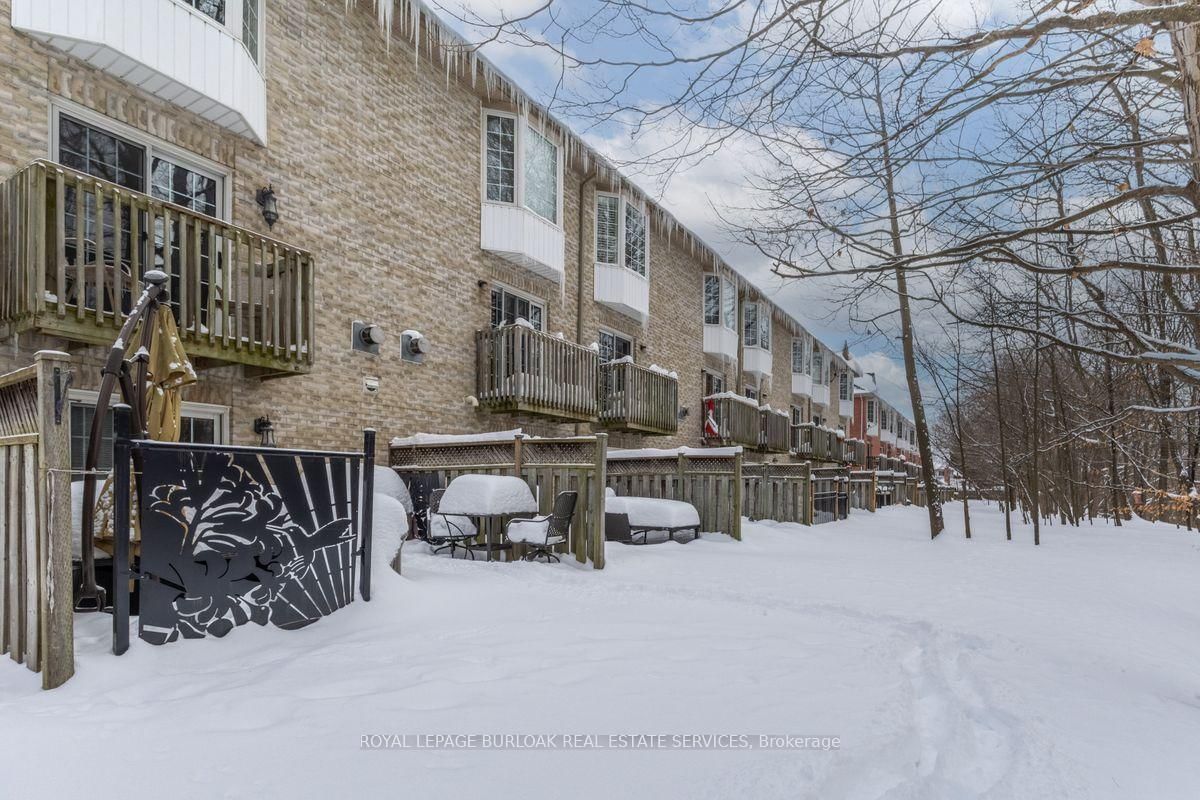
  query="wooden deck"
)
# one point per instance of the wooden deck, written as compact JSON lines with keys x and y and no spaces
{"x":520,"y":370}
{"x":737,"y":423}
{"x":73,"y":250}
{"x":633,"y":398}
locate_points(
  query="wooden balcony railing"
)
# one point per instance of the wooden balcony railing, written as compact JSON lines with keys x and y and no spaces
{"x":737,"y":422}
{"x":520,"y":370}
{"x":855,"y":452}
{"x":817,"y":443}
{"x":634,"y":398}
{"x":776,"y":428}
{"x":73,"y":250}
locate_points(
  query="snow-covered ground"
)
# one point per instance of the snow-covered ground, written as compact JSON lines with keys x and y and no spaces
{"x":949,"y":669}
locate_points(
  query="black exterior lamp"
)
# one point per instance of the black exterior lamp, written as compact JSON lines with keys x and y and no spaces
{"x":266,"y":431}
{"x":269,"y":204}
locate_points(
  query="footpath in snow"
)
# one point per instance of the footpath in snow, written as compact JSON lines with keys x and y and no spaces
{"x":946,"y":669}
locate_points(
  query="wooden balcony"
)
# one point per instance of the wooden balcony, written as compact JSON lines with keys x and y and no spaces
{"x":775,"y":431}
{"x":856,"y":452}
{"x":737,"y":422}
{"x":633,"y":398}
{"x":73,"y":249}
{"x":816,"y":443}
{"x":520,"y":370}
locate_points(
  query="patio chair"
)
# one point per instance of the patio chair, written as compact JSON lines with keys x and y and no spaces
{"x":447,"y":531}
{"x":543,"y":533}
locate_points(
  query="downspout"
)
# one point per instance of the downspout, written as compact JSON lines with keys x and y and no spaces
{"x":579,"y":250}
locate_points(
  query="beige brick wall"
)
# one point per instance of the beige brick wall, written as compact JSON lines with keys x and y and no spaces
{"x":375,"y":161}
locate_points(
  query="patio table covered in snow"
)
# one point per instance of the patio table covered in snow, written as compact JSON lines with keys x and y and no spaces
{"x":487,"y":498}
{"x":646,"y":514}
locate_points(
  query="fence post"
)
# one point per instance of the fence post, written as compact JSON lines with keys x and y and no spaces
{"x":808,"y":494}
{"x":874,"y":488}
{"x":120,"y":595}
{"x":368,"y":508}
{"x":518,"y":454}
{"x":54,"y":440}
{"x":736,"y":522}
{"x":599,"y":481}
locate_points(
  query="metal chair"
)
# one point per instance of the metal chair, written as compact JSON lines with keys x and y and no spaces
{"x":543,"y":533}
{"x":456,"y":533}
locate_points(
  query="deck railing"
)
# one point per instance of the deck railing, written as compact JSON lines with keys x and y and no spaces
{"x":856,"y":452}
{"x":73,"y":250}
{"x":736,"y":422}
{"x":816,"y":442}
{"x":519,"y":369}
{"x":635,"y":398}
{"x":775,"y":431}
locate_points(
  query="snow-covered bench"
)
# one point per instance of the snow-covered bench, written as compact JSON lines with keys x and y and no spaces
{"x":646,"y":514}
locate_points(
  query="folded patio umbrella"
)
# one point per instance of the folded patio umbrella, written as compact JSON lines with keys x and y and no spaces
{"x":169,"y":370}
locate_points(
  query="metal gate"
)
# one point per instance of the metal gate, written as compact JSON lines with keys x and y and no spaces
{"x":234,"y":535}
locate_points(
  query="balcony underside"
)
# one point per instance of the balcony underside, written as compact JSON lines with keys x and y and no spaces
{"x":536,"y":409}
{"x":634,"y":427}
{"x":201,"y":351}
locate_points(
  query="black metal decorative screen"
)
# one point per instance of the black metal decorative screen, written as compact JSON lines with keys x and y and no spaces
{"x":237,"y":535}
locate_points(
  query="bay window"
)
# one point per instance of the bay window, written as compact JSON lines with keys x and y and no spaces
{"x":712,"y":300}
{"x":620,"y":233}
{"x":756,"y":318}
{"x":501,"y":158}
{"x":209,"y":8}
{"x":541,"y":175}
{"x":799,"y":362}
{"x":521,"y":166}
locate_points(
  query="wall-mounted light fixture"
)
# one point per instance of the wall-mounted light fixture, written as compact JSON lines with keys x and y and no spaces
{"x":266,"y":431}
{"x":481,"y":283}
{"x":269,"y":204}
{"x":683,"y":412}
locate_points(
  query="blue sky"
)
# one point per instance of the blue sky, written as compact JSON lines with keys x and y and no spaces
{"x":703,"y":188}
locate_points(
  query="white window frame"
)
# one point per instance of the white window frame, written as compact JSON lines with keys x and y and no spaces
{"x":217,"y":413}
{"x":762,"y":309}
{"x":618,"y":335}
{"x":623,"y":206}
{"x":526,"y":296}
{"x":153,"y":147}
{"x":728,"y":290}
{"x":520,"y":126}
{"x":716,"y":376}
{"x":803,"y":342}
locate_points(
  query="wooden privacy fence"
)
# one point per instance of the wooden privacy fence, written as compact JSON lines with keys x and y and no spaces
{"x":778,"y":492}
{"x":36,"y":624}
{"x":549,"y":466}
{"x":830,"y":487}
{"x":709,"y":479}
{"x":862,"y":489}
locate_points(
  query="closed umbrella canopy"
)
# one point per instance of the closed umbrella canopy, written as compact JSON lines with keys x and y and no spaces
{"x":169,"y":372}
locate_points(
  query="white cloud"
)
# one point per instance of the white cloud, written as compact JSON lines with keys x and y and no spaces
{"x":890,"y":382}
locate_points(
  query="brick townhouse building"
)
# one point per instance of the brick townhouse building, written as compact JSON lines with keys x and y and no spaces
{"x":886,"y":431}
{"x":366,"y":230}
